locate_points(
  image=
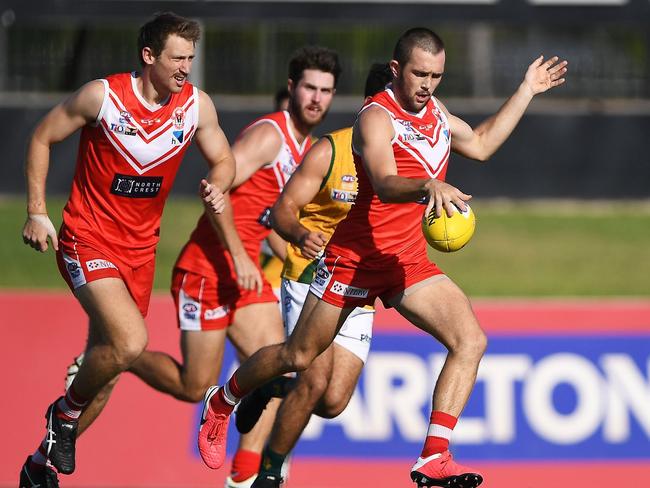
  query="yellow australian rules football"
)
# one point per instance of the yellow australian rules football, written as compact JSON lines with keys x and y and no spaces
{"x":448,"y":234}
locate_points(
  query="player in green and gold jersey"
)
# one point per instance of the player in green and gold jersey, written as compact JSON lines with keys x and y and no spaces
{"x":316,"y":198}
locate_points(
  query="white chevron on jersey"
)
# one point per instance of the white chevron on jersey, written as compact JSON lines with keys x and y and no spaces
{"x":141,"y":150}
{"x":426,"y":150}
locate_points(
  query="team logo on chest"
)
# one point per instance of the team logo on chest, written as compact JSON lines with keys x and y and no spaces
{"x":426,"y":141}
{"x":157,"y":135}
{"x":178,"y":119}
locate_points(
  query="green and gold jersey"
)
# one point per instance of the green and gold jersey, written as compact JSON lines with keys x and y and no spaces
{"x":330,"y":205}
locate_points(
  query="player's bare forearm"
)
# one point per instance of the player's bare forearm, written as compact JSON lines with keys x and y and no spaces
{"x":224,"y":225}
{"x":222,"y":174}
{"x":285,"y":222}
{"x":494,"y":131}
{"x":36,"y":168}
{"x":398,"y":189}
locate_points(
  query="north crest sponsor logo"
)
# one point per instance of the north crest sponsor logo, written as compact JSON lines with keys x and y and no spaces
{"x":136,"y":186}
{"x":95,"y":264}
{"x":345,"y":290}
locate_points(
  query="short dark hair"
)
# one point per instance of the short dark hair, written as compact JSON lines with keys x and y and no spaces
{"x":155,"y":32}
{"x":378,"y":77}
{"x":280,"y":95}
{"x":420,"y":37}
{"x":314,"y":57}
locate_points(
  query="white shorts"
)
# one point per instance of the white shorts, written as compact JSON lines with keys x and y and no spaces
{"x":355,"y":334}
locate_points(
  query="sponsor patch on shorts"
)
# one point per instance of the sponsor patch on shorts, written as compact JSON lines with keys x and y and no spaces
{"x":349,"y":291}
{"x":189,"y":312}
{"x":216,"y":313}
{"x":321,"y":278}
{"x":95,"y":264}
{"x":75,"y":271}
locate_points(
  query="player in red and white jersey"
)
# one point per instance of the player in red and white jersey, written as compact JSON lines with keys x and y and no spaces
{"x":217,"y":283}
{"x":421,"y":144}
{"x":135,"y":129}
{"x":402,"y":140}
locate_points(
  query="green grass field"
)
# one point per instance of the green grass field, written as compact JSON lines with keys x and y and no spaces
{"x":520,"y":249}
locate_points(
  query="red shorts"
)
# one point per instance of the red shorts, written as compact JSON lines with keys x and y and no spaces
{"x":80,"y":264}
{"x":203,"y":303}
{"x":340,"y":281}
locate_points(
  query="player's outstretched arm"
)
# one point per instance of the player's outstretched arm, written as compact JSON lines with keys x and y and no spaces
{"x":301,"y":189}
{"x":483,"y":141}
{"x":372,"y":136}
{"x":63,"y":120}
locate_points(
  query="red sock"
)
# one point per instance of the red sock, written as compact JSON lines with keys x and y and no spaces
{"x":233,"y":387}
{"x":70,"y":406}
{"x":227,"y":397}
{"x":245,"y":464}
{"x":440,"y":428}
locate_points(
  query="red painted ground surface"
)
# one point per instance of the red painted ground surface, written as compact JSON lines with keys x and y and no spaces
{"x":143,"y":439}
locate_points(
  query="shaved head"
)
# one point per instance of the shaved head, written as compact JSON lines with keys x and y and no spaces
{"x":420,"y":37}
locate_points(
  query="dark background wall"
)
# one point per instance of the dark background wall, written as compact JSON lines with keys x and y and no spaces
{"x":567,"y":156}
{"x":589,"y":138}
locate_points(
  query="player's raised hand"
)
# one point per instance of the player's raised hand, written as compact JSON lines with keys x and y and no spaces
{"x":212,"y":196}
{"x":443,"y":195}
{"x":311,"y":244}
{"x":37,"y":229}
{"x":544,"y":75}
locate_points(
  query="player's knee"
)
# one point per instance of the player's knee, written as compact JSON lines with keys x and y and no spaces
{"x":192,"y":393}
{"x":313,"y":386}
{"x":190,"y":396}
{"x":333,"y":402}
{"x":126,"y":352}
{"x":472,"y":346}
{"x":331,"y":407}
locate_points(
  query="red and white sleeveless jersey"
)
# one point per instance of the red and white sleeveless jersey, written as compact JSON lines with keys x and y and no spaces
{"x":384,"y":233}
{"x":126,"y":164}
{"x":249,"y":202}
